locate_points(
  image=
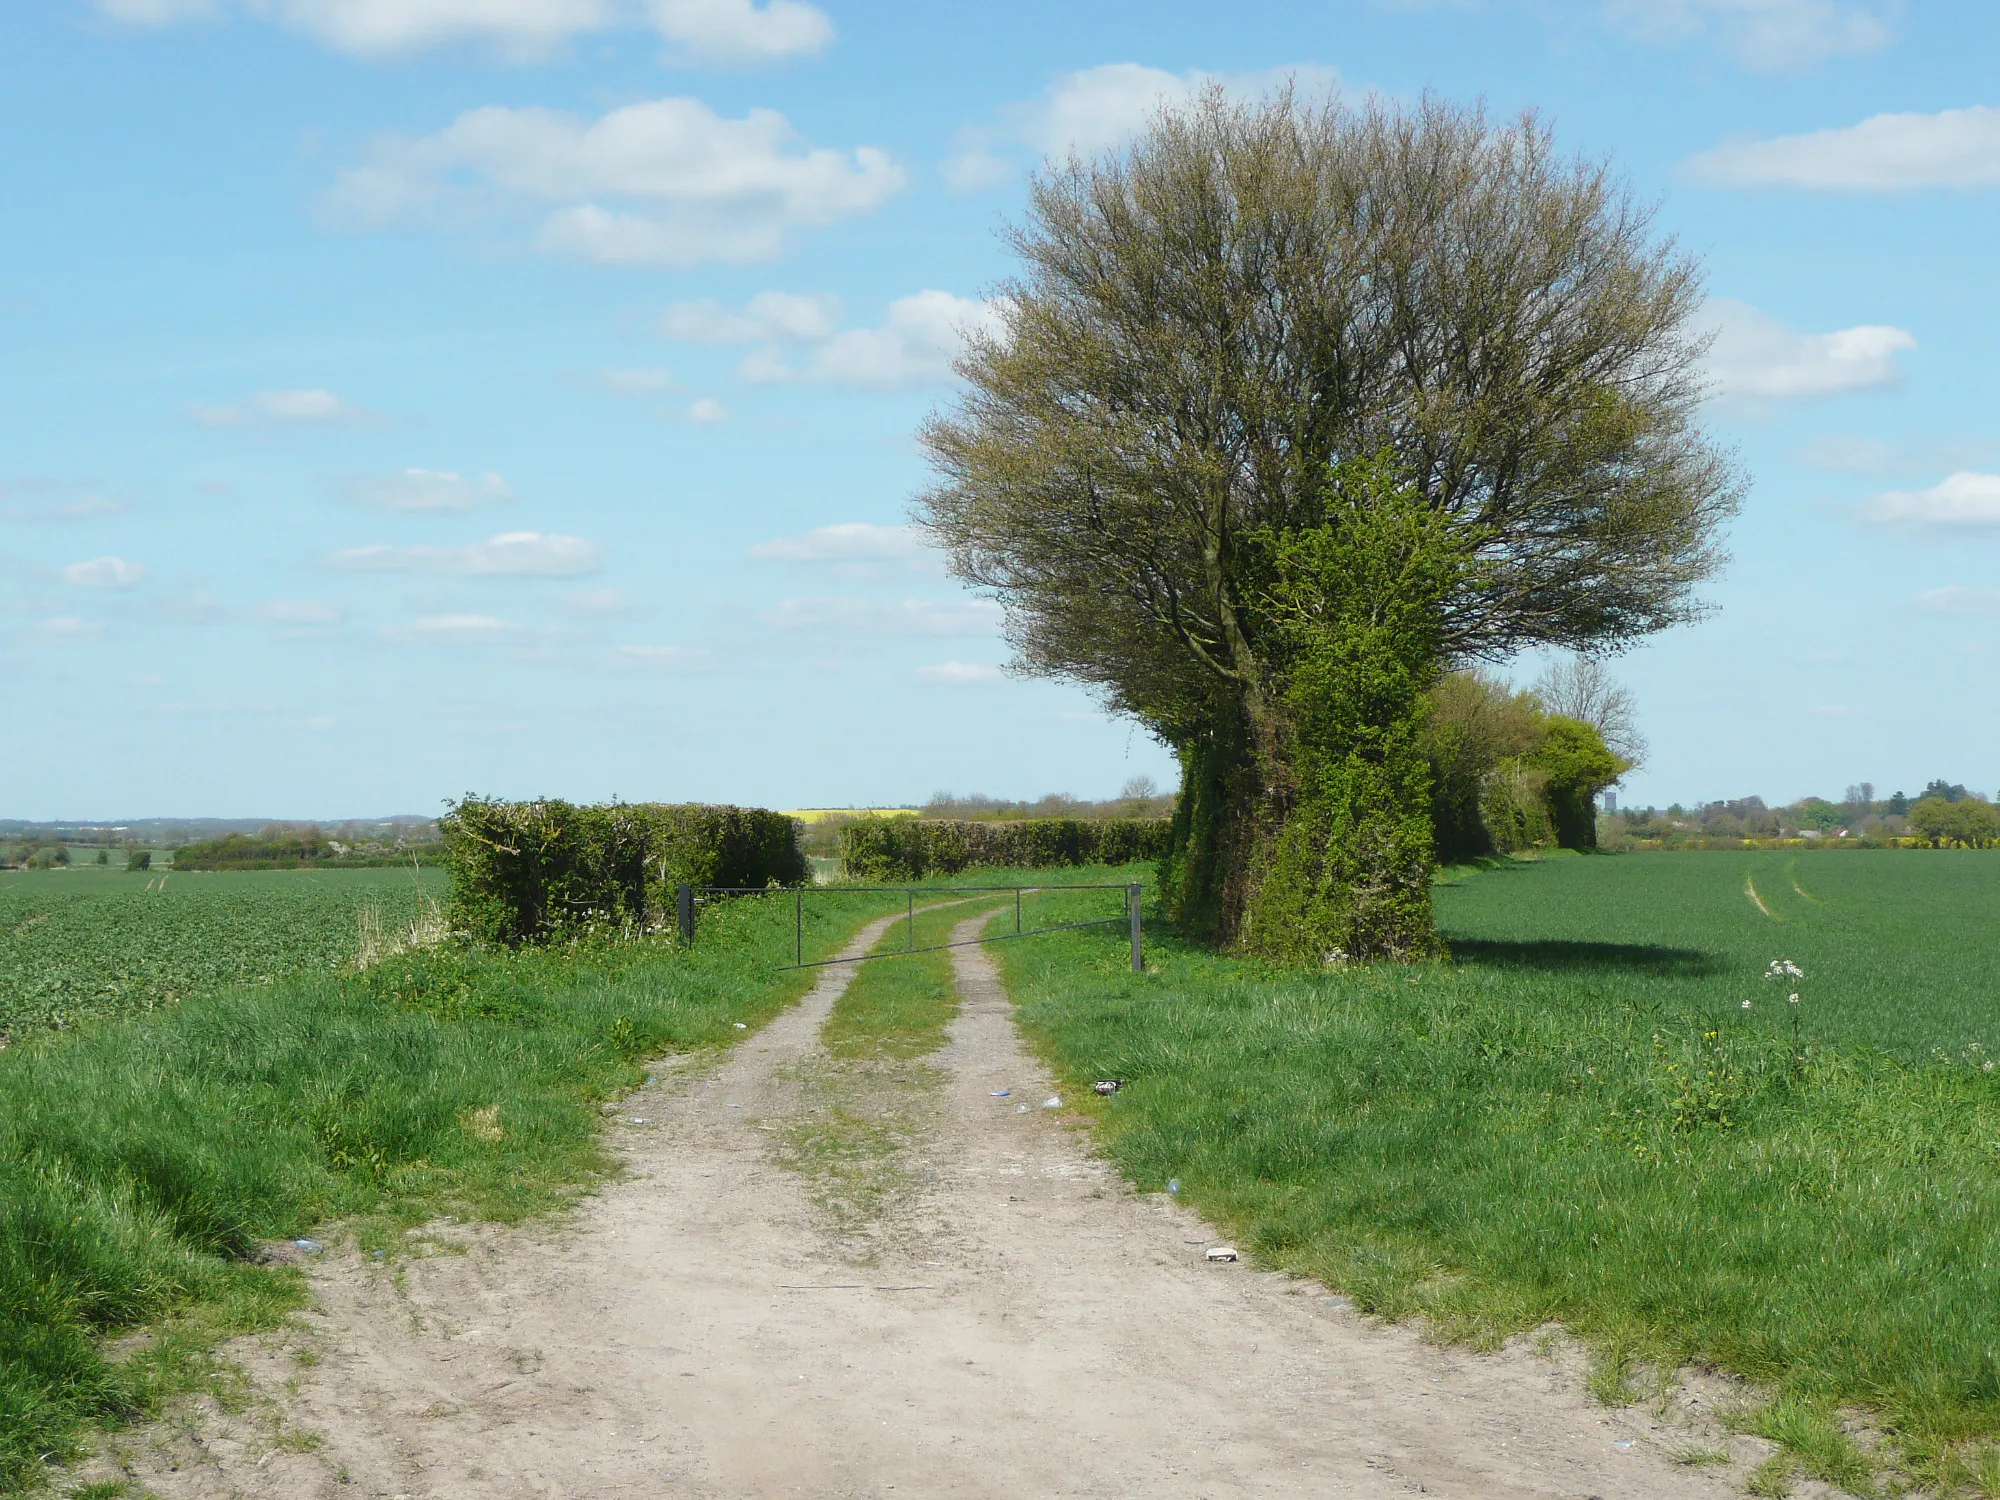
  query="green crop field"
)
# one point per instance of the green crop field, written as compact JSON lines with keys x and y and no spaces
{"x":1901,"y":949}
{"x":1576,"y":1121}
{"x":86,"y":942}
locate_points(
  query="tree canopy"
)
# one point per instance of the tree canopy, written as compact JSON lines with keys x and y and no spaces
{"x":1261,"y":321}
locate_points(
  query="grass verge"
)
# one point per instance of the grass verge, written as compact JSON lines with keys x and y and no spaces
{"x":143,"y":1160}
{"x":1492,"y":1147}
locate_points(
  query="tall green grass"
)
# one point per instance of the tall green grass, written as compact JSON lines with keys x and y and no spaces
{"x":1578,"y":1121}
{"x":143,"y":1159}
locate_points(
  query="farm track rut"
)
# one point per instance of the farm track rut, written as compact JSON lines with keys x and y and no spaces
{"x":832,"y":1278}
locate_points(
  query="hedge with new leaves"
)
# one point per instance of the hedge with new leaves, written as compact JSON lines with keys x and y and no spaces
{"x":525,"y":872}
{"x":913,"y":848}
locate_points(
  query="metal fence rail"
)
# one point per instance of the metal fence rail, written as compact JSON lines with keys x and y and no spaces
{"x":1134,"y":896}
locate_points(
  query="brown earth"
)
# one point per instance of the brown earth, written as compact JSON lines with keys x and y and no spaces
{"x":830,"y":1278}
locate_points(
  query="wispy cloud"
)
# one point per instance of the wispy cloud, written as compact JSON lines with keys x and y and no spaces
{"x":801,"y":341}
{"x":657,"y":658}
{"x":1889,"y":153}
{"x":664,"y":183}
{"x":299,"y":616}
{"x":1965,"y":501}
{"x":104,"y":573}
{"x":33,"y":499}
{"x":918,"y":617}
{"x":522,"y":554}
{"x":850,"y":542}
{"x":429,"y":490}
{"x":1093,"y":110}
{"x":66,"y":630}
{"x":297,"y":408}
{"x":603,"y":603}
{"x":1766,"y":36}
{"x":959,"y":673}
{"x":1955,"y":600}
{"x":1849,"y":453}
{"x":728,"y":32}
{"x":1756,"y":359}
{"x":456,"y":630}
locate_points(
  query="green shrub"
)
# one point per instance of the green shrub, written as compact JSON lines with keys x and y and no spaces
{"x":138,"y":859}
{"x":531,"y":871}
{"x":913,"y":848}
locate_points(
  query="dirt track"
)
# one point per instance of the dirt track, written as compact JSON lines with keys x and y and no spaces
{"x":839,"y":1279}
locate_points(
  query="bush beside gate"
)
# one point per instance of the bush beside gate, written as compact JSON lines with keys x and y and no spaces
{"x":526,"y":872}
{"x":912,"y":848}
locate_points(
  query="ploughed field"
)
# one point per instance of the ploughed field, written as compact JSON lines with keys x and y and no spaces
{"x":1576,"y":1120}
{"x":89,"y":942}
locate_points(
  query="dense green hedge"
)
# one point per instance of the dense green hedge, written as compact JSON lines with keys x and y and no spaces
{"x":529,"y":871}
{"x":912,"y":848}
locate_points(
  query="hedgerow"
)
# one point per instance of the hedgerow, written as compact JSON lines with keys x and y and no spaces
{"x":913,"y":848}
{"x":531,"y":871}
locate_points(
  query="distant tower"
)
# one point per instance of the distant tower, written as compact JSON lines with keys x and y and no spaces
{"x":1611,"y":802}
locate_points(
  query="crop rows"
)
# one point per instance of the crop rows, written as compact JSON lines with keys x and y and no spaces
{"x":75,"y":944}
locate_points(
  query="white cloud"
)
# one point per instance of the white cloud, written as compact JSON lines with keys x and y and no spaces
{"x":657,"y":658}
{"x":468,"y":630}
{"x":521,"y":554}
{"x":915,"y":344}
{"x":53,"y":500}
{"x":104,"y":573}
{"x":736,"y":31}
{"x":430,"y":489}
{"x":598,"y":603}
{"x":1770,"y":36}
{"x":157,"y":12}
{"x":1098,"y":109}
{"x":1756,"y":359}
{"x":64,"y":630}
{"x":302,"y":407}
{"x":1954,"y":148}
{"x":637,"y":382}
{"x":959,"y":673}
{"x":718,"y":31}
{"x":706,"y":411}
{"x":973,"y":617}
{"x":1849,"y":453}
{"x":299,"y":616}
{"x":1954,"y":600}
{"x":664,"y":183}
{"x":785,"y":317}
{"x":1961,"y":502}
{"x":848,"y":541}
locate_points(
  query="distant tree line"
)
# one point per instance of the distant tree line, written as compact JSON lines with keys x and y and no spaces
{"x":281,"y":846}
{"x":1944,"y":814}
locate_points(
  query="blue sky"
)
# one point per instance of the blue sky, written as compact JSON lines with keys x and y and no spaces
{"x":407,"y":397}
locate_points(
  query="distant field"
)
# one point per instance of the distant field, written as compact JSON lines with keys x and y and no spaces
{"x":1901,"y":949}
{"x":82,"y":942}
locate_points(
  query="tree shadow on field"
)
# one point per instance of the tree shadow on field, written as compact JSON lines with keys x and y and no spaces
{"x":1551,"y":956}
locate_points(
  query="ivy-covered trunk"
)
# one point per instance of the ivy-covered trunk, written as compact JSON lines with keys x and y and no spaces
{"x":1308,"y":838}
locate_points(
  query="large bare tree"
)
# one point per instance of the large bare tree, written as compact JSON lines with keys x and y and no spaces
{"x":1210,"y":327}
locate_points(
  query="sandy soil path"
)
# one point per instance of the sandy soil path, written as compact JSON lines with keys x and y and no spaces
{"x":823,"y":1280}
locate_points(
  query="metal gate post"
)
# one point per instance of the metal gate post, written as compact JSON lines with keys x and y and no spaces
{"x":684,"y":902}
{"x":910,"y":926}
{"x":1132,"y":895}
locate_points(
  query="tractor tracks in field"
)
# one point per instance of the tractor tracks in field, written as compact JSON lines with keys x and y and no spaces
{"x":826,"y":1277}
